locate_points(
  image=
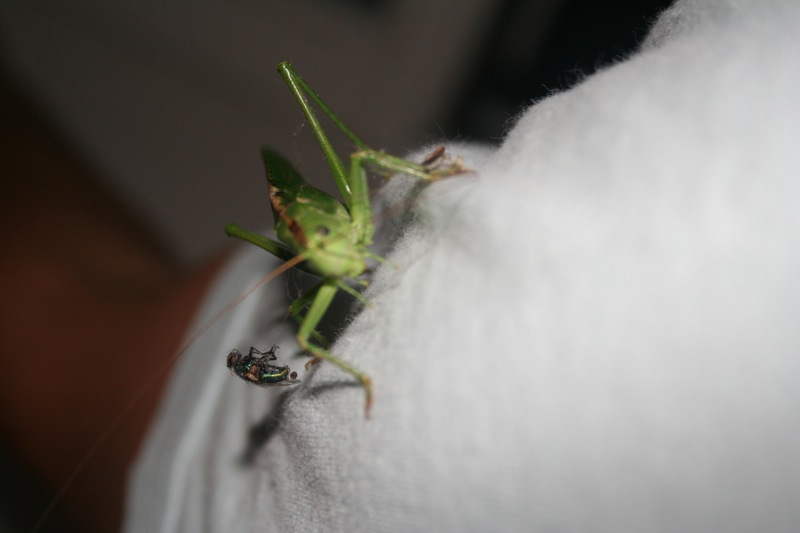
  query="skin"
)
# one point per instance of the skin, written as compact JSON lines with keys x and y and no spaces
{"x":92,"y":308}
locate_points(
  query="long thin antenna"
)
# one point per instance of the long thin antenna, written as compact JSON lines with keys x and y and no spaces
{"x":151,"y":381}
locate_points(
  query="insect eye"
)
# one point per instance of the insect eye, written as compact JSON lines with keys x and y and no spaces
{"x":322,"y":231}
{"x":234,"y":357}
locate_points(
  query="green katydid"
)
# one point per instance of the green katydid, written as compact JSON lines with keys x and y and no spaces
{"x":330,"y":237}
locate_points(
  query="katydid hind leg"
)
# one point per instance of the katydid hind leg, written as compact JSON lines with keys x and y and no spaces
{"x":300,"y":90}
{"x":297,"y":84}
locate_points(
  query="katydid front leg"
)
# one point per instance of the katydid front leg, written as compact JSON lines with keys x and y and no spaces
{"x":323,"y":296}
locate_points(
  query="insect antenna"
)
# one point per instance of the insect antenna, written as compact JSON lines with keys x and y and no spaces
{"x":151,"y":381}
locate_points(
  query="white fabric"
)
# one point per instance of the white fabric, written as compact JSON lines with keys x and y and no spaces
{"x":598,"y":331}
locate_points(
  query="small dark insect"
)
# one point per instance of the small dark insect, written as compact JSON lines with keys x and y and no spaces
{"x":255,"y":368}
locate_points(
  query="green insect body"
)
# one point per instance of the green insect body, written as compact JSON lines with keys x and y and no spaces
{"x":311,"y":220}
{"x":331,"y":237}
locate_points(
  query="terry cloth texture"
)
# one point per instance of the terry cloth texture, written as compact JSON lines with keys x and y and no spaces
{"x":595,"y":331}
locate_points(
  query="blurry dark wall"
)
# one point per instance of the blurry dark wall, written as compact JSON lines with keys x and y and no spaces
{"x":524,"y":60}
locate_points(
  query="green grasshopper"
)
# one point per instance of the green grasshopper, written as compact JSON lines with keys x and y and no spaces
{"x":330,"y":237}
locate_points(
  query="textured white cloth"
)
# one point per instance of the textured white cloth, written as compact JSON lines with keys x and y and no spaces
{"x":598,"y":331}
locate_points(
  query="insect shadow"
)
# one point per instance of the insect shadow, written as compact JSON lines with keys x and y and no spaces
{"x":264,"y":430}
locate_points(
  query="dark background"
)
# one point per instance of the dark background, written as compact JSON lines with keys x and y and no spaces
{"x":514,"y":71}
